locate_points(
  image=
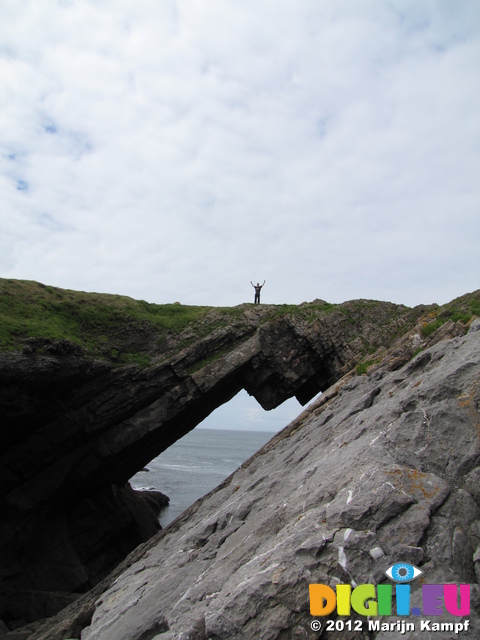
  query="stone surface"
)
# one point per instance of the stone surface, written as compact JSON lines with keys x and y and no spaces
{"x":156,"y":500}
{"x":381,"y":468}
{"x":75,"y":429}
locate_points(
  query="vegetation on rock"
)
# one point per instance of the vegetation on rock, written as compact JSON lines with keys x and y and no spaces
{"x":461,"y":309}
{"x":113,"y":327}
{"x":122,"y":330}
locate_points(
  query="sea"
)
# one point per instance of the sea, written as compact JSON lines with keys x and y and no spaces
{"x":196,"y":464}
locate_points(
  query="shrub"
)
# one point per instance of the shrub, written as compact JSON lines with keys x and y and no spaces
{"x":431,"y":327}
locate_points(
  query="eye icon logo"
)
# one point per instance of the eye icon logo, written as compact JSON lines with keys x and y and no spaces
{"x":403,"y":572}
{"x":377,"y":600}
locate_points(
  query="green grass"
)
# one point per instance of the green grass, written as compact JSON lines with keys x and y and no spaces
{"x":362,"y":367}
{"x":123,"y":330}
{"x":113,"y":327}
{"x":431,"y":327}
{"x":462,"y":309}
{"x":92,"y":320}
{"x":310,"y":311}
{"x":465,"y":315}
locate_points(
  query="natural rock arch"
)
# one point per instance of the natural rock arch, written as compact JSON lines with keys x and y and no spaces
{"x":74,"y":430}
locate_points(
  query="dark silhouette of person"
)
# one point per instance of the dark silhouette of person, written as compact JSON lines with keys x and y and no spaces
{"x":258,"y":288}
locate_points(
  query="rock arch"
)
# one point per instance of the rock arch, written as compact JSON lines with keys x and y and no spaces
{"x":75,"y":429}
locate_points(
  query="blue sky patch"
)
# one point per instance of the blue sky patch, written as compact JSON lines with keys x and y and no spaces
{"x":50,"y":128}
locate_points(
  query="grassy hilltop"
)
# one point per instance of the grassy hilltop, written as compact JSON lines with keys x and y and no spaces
{"x":102,"y":324}
{"x":122,"y":330}
{"x":114,"y":327}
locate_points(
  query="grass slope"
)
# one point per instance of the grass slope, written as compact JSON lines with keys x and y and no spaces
{"x":94,"y":321}
{"x":121,"y":329}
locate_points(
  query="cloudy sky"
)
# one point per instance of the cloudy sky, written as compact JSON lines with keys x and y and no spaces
{"x":175,"y":150}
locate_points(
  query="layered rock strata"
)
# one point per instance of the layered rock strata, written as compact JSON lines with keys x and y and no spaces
{"x":75,"y":429}
{"x":381,"y":468}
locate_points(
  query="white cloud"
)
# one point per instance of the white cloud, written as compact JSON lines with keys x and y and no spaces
{"x":176,"y":151}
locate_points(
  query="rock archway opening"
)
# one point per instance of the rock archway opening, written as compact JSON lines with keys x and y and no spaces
{"x":203,"y":458}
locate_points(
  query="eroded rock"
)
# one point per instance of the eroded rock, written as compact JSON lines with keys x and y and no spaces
{"x":75,"y":429}
{"x":327,"y":500}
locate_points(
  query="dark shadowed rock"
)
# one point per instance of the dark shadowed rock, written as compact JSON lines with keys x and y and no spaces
{"x":156,"y":500}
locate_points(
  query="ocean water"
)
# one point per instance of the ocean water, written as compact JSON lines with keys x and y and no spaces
{"x":196,"y":464}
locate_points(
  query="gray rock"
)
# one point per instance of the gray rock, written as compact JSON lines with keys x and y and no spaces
{"x":475,"y":325}
{"x":386,"y":478}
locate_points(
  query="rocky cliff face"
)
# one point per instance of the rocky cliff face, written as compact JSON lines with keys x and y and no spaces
{"x":381,"y":468}
{"x":75,"y":429}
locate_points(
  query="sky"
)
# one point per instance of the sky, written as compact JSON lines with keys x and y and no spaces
{"x":175,"y":150}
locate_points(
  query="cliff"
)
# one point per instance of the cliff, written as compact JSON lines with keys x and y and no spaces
{"x":381,"y":468}
{"x":76,"y":427}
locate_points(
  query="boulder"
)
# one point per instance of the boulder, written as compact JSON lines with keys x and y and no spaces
{"x":156,"y":500}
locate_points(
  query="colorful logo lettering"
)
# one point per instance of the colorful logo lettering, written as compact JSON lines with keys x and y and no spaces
{"x":371,"y":600}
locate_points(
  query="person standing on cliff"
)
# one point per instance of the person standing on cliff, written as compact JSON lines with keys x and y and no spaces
{"x":258,"y":288}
